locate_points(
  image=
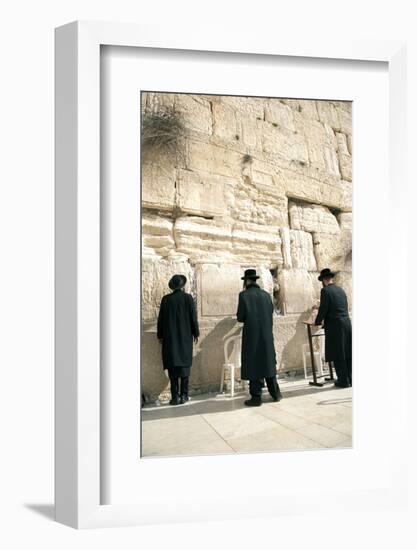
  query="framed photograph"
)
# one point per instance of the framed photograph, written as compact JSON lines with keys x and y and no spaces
{"x":221,"y":254}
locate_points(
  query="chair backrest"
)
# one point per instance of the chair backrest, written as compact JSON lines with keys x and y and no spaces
{"x":232,"y":347}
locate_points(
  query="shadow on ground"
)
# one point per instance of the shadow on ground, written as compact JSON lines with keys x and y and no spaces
{"x":222,"y":404}
{"x":45,"y":510}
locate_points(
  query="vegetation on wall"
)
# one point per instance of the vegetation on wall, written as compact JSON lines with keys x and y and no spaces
{"x":162,"y":130}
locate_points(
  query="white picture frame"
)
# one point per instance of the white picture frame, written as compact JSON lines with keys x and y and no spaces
{"x":78,"y":449}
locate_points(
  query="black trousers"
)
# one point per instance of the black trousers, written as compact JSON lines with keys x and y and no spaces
{"x":179,"y":386}
{"x":343,"y":371}
{"x":255,"y":387}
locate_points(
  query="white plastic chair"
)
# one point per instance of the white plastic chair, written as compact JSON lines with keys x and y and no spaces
{"x":232,"y":348}
{"x":318,"y":358}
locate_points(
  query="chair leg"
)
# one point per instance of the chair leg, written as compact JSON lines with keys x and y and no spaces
{"x":232,"y":380}
{"x":222,"y":380}
{"x":305,"y":366}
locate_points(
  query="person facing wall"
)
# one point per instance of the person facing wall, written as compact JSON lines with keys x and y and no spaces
{"x":255,"y":310}
{"x":177,"y":329}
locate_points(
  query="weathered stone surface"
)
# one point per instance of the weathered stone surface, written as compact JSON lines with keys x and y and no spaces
{"x":286,"y":247}
{"x":331,"y":192}
{"x":225,"y":125}
{"x":345,"y":221}
{"x":196,"y":112}
{"x":333,"y":251}
{"x":157,"y":235}
{"x":312,"y":218}
{"x":258,"y":198}
{"x":302,"y":253}
{"x":279,"y":114}
{"x":261,"y":183}
{"x":215,"y":159}
{"x":279,"y":142}
{"x":256,"y":244}
{"x":308,"y":109}
{"x":299,"y":289}
{"x":203,"y":239}
{"x":328,"y":114}
{"x":158,"y":185}
{"x":218,"y":288}
{"x":201,"y":194}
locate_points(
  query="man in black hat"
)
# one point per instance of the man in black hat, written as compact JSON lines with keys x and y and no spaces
{"x":255,"y":310}
{"x":177,"y":328}
{"x":334,"y":314}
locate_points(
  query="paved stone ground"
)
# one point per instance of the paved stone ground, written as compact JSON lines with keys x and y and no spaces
{"x":306,"y":418}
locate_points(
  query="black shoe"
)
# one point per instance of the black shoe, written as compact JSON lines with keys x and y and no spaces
{"x":174,"y":401}
{"x":339,"y":385}
{"x":276,"y":398}
{"x":253,"y":402}
{"x":184,"y":399}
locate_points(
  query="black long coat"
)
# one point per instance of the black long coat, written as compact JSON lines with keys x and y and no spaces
{"x":334,"y":312}
{"x":177,"y":324}
{"x":255,"y":310}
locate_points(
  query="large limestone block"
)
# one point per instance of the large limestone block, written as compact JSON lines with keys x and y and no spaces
{"x":158,"y":184}
{"x":308,"y":109}
{"x":200,"y":194}
{"x":318,"y":136}
{"x":331,"y":160}
{"x":286,"y":247}
{"x":156,"y":273}
{"x":345,"y":159}
{"x":290,"y":334}
{"x":299,"y":290}
{"x":345,"y":165}
{"x":266,"y":280}
{"x":157,"y":235}
{"x":213,"y":159}
{"x":283,"y":143}
{"x":302,"y":252}
{"x":225,"y":125}
{"x":312,"y":218}
{"x":326,"y":190}
{"x":328,"y":114}
{"x":257,"y":198}
{"x":279,"y":114}
{"x":195,"y":112}
{"x":203,"y":239}
{"x":333,"y":251}
{"x":345,"y":221}
{"x":218,"y":287}
{"x":251,"y":107}
{"x":258,"y":244}
{"x":345,"y":118}
{"x":251,"y":131}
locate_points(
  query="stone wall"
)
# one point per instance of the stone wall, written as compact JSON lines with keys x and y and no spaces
{"x":254,"y":182}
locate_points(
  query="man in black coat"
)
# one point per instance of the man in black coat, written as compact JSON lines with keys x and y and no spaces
{"x":334,"y":314}
{"x":177,"y":328}
{"x":259,"y":362}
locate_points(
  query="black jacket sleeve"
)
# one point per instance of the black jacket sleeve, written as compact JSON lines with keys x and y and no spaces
{"x":241,"y":309}
{"x":195,"y":330}
{"x":160,"y":325}
{"x":324,"y":307}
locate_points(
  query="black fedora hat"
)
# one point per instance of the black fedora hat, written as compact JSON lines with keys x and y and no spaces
{"x":250,"y":274}
{"x":177,"y":281}
{"x":326,"y":273}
